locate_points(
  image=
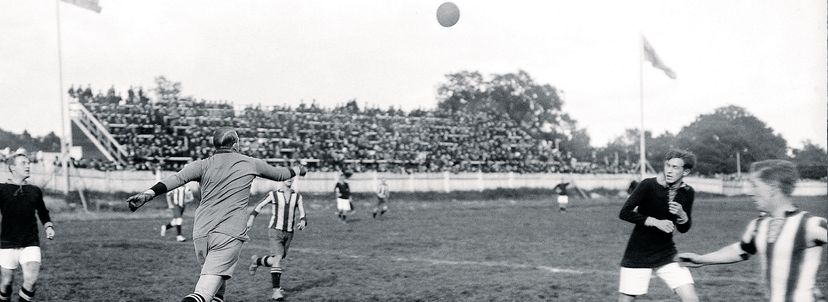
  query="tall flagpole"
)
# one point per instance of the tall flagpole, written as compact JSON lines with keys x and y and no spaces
{"x":642,"y":159}
{"x":65,"y":139}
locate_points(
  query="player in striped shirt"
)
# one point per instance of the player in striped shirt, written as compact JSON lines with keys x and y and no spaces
{"x":287,"y":208}
{"x":789,"y":241}
{"x":175,"y":201}
{"x":219,"y":223}
{"x":382,"y":197}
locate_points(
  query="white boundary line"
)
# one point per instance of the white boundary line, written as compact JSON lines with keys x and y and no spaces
{"x":317,"y":251}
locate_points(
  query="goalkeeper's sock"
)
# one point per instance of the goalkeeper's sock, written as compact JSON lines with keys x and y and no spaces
{"x":263,"y":261}
{"x":178,"y":230}
{"x":193,"y":298}
{"x":275,"y":279}
{"x":25,"y":295}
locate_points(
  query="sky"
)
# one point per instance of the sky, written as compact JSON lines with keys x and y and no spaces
{"x":766,"y":56}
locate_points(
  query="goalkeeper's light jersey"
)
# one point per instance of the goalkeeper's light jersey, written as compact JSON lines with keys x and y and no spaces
{"x":224,"y":180}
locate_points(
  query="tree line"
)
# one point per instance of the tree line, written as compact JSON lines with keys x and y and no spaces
{"x":717,"y":138}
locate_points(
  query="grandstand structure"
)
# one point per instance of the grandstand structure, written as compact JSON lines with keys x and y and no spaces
{"x":135,"y":133}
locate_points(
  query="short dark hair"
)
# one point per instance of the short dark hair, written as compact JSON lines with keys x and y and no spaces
{"x":688,"y":157}
{"x":224,"y":138}
{"x":777,"y":172}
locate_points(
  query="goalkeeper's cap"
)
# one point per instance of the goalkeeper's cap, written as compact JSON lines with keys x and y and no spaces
{"x":225,"y":138}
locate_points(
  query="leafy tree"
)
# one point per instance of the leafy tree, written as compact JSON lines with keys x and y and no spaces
{"x":811,"y":160}
{"x":535,"y":107}
{"x":716,"y":138}
{"x":167,"y":90}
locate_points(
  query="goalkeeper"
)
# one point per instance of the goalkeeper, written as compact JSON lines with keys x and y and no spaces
{"x":220,"y":222}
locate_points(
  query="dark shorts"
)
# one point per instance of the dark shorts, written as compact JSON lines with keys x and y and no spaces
{"x":218,"y":254}
{"x":177,"y":211}
{"x":279,"y":242}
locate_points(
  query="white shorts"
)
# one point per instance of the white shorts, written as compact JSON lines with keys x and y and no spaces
{"x":563,"y":200}
{"x":12,"y":258}
{"x":343,"y":204}
{"x":635,"y":281}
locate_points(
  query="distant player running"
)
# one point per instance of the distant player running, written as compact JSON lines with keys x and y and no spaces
{"x":383,"y":194}
{"x":563,"y":198}
{"x":343,"y":198}
{"x":287,"y":207}
{"x":21,"y":204}
{"x":789,"y":241}
{"x":176,"y":199}
{"x":220,"y":222}
{"x":657,"y":207}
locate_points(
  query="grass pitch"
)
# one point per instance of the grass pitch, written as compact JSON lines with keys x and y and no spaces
{"x":500,"y":250}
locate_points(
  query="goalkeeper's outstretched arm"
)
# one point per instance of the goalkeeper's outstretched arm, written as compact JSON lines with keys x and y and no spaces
{"x":190,"y":172}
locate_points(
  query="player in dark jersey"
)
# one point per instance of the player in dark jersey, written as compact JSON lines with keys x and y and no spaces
{"x":658,"y":206}
{"x":21,"y":204}
{"x":343,"y":197}
{"x":563,"y":197}
{"x":220,"y":221}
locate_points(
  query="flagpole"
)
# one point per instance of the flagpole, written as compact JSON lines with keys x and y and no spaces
{"x":642,"y":159}
{"x":65,"y":139}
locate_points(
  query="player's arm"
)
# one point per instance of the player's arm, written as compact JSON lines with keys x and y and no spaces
{"x":300,"y":204}
{"x":43,"y":215}
{"x":817,"y":231}
{"x":191,"y":172}
{"x":729,"y":254}
{"x":277,"y":173}
{"x":628,"y":211}
{"x":685,"y":221}
{"x":258,"y":209}
{"x":736,"y":252}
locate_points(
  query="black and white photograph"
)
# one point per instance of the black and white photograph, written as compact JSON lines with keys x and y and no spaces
{"x":428,"y":150}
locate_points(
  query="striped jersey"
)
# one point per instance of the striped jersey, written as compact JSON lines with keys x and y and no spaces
{"x":382,"y":191}
{"x":177,"y":197}
{"x":285,"y":205}
{"x":789,"y":251}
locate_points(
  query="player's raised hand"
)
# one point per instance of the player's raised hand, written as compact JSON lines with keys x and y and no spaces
{"x":689,"y":260}
{"x":138,"y":200}
{"x":663,"y":225}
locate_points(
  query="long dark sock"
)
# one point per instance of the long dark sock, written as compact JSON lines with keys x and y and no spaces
{"x":168,"y":226}
{"x":275,"y":279}
{"x":178,"y":230}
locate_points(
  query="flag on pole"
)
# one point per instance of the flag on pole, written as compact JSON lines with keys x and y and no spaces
{"x":87,"y":4}
{"x":650,"y":55}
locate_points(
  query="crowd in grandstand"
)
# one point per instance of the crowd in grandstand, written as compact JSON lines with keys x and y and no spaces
{"x":170,"y":133}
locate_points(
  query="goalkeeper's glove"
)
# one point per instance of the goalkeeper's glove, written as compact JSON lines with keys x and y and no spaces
{"x":138,"y":200}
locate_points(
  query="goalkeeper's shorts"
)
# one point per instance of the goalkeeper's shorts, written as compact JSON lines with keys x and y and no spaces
{"x":218,"y":254}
